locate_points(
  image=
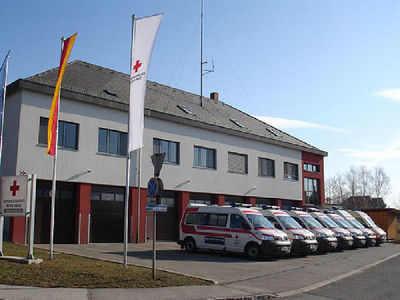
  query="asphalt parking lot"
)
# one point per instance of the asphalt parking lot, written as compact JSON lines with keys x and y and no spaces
{"x":235,"y":275}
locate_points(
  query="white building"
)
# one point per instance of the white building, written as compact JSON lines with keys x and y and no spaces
{"x":215,"y":154}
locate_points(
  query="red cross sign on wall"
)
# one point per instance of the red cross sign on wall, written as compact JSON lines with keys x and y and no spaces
{"x":14,"y":188}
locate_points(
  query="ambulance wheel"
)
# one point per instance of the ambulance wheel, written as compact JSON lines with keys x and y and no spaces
{"x":253,"y":251}
{"x":190,"y":245}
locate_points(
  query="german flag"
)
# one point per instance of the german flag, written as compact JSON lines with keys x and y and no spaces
{"x":53,"y":119}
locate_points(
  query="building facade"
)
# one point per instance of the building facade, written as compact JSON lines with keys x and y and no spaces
{"x":215,"y":154}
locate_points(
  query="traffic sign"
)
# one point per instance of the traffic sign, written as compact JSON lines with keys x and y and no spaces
{"x":156,"y":207}
{"x":155,"y":187}
{"x":157,"y":160}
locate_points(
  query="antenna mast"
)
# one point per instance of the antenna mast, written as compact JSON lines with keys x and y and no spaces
{"x":202,"y":71}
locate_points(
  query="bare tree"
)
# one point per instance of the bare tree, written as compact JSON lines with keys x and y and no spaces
{"x":381,"y":183}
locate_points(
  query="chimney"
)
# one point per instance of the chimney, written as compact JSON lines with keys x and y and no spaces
{"x":214,"y":96}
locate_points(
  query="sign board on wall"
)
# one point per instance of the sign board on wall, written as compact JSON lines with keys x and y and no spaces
{"x":15,"y":196}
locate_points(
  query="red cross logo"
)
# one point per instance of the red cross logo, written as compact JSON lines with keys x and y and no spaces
{"x":137,"y":66}
{"x":236,"y":236}
{"x":14,"y":188}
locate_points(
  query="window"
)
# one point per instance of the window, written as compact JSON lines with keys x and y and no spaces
{"x":112,"y":142}
{"x":273,"y":132}
{"x":105,"y":193}
{"x":204,"y":157}
{"x":171,"y":150}
{"x":290,"y":171}
{"x":185,"y":109}
{"x":67,"y":134}
{"x":237,"y":123}
{"x":311,"y":168}
{"x":194,"y":218}
{"x":311,"y":191}
{"x":237,"y":221}
{"x":237,"y":163}
{"x":266,"y":167}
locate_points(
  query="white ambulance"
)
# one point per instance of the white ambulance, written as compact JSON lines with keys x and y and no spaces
{"x":343,"y":236}
{"x":368,"y":233}
{"x":303,"y":241}
{"x":325,"y":237}
{"x":359,"y":239}
{"x":231,"y":228}
{"x":366,"y":220}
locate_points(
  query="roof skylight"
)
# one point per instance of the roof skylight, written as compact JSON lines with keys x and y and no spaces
{"x":111,"y":93}
{"x":273,"y":132}
{"x":185,"y":109}
{"x":237,"y":123}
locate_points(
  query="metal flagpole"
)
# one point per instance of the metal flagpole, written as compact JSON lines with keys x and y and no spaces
{"x":139,"y":184}
{"x":3,"y":104}
{"x":201,"y":53}
{"x":53,"y":189}
{"x":128,"y":165}
{"x":1,"y":141}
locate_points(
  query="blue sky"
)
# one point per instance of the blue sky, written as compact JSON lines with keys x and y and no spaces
{"x":327,"y":72}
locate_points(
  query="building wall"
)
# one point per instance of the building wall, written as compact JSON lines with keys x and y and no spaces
{"x":186,"y":177}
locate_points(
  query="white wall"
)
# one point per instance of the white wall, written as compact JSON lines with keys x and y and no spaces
{"x":110,"y":170}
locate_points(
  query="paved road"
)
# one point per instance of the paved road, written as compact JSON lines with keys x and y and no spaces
{"x":236,"y":275}
{"x":379,"y":282}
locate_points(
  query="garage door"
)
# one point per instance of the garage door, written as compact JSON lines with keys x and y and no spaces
{"x":64,"y":220}
{"x":107,"y":215}
{"x":167,"y":222}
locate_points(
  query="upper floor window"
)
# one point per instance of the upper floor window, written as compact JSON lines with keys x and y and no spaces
{"x":266,"y":167}
{"x":204,"y":157}
{"x":112,"y":142}
{"x":237,"y":163}
{"x":171,"y":150}
{"x":68,"y":133}
{"x":311,"y":168}
{"x":290,"y":171}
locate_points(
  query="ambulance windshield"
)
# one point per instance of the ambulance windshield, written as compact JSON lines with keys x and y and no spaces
{"x":289,"y":222}
{"x":355,"y":223}
{"x":370,"y":222}
{"x":342,"y":222}
{"x":259,"y":221}
{"x":329,"y":222}
{"x":311,"y":222}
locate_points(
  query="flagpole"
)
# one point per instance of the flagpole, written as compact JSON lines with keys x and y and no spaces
{"x":128,"y":165}
{"x":54,"y":183}
{"x":3,"y":104}
{"x":1,"y":141}
{"x":139,"y":185}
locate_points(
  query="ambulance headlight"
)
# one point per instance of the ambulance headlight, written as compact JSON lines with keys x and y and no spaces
{"x":298,"y":237}
{"x":320,"y":235}
{"x":267,"y":237}
{"x":339,"y":234}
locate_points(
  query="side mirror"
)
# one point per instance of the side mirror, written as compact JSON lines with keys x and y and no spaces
{"x":246,"y":226}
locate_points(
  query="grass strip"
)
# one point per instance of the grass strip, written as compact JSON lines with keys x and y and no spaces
{"x":70,"y":271}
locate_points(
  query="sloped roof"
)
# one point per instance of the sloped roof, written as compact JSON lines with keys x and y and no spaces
{"x":87,"y":82}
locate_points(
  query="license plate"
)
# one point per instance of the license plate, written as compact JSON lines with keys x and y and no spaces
{"x":312,"y":247}
{"x":333,"y":244}
{"x":363,"y":241}
{"x":285,"y":248}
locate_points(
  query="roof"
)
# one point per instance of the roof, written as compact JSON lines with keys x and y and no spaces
{"x":388,"y":210}
{"x":98,"y":85}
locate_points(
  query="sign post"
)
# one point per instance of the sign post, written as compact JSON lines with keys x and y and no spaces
{"x":18,"y":199}
{"x":155,"y":188}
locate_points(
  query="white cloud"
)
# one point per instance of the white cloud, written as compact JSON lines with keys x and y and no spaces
{"x":290,"y":124}
{"x":392,"y":94}
{"x":378,"y":155}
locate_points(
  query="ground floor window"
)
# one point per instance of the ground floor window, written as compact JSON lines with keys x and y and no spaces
{"x":311,"y":191}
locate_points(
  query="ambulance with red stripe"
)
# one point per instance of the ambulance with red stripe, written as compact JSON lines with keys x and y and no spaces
{"x":303,"y":241}
{"x":231,"y":228}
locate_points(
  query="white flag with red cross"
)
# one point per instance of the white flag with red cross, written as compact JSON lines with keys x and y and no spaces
{"x":145,"y":33}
